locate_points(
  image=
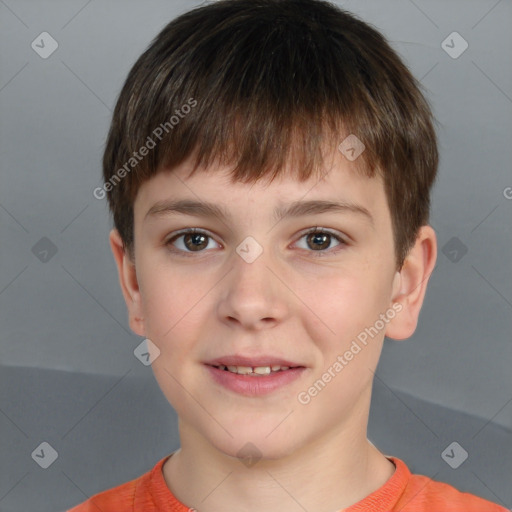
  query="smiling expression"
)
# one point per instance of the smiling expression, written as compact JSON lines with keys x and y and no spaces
{"x":325,"y":270}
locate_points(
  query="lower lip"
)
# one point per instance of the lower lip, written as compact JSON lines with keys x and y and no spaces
{"x":254,"y":386}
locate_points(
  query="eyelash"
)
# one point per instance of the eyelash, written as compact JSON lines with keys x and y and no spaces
{"x":194,"y":231}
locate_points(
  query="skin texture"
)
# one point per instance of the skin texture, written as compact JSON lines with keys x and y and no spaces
{"x":289,"y":303}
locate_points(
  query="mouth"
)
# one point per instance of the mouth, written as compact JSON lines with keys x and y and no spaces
{"x":253,"y":365}
{"x":253,"y":381}
{"x":254,"y":371}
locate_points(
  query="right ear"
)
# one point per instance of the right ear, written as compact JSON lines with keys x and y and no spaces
{"x":128,"y":282}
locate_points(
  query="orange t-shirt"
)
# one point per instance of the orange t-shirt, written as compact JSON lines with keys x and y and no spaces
{"x":403,"y":492}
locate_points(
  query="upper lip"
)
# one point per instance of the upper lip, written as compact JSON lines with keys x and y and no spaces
{"x":254,"y":361}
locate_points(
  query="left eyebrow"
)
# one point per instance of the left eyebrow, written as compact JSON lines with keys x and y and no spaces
{"x":294,"y":209}
{"x":301,"y":208}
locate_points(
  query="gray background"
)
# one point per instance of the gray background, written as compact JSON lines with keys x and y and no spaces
{"x":68,"y":375}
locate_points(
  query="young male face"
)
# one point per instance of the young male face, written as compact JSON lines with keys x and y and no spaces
{"x":303,"y":299}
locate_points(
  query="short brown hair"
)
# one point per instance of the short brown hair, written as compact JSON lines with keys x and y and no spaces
{"x":255,"y":83}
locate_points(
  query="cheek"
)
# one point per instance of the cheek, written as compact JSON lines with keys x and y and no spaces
{"x":344,"y":310}
{"x":344,"y":301}
{"x":348,"y":356}
{"x":169,"y":299}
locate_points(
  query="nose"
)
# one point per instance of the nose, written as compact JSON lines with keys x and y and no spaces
{"x":254,"y":295}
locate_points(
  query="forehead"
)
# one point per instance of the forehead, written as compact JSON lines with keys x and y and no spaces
{"x":340,"y":181}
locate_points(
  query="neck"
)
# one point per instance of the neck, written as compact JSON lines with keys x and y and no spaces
{"x":321,"y":476}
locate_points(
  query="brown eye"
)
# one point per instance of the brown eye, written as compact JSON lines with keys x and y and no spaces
{"x":195,"y":241}
{"x":318,"y":242}
{"x":189,"y":241}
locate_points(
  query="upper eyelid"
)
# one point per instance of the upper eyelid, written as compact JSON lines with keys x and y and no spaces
{"x":189,"y":231}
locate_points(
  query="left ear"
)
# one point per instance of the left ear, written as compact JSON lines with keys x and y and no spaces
{"x":411,"y":284}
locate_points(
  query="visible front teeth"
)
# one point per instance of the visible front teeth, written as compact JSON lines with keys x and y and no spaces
{"x":256,"y":370}
{"x":241,"y":370}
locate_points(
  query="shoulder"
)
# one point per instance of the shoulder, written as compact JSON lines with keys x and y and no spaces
{"x":122,"y":497}
{"x":424,"y":494}
{"x":118,"y":499}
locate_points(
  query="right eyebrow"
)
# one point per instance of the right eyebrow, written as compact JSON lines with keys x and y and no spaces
{"x":187,"y":207}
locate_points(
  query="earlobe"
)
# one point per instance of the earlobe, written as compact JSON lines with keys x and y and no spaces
{"x":410,"y":284}
{"x":128,"y":281}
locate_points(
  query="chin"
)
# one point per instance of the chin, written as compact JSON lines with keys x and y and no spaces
{"x":252,"y":446}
